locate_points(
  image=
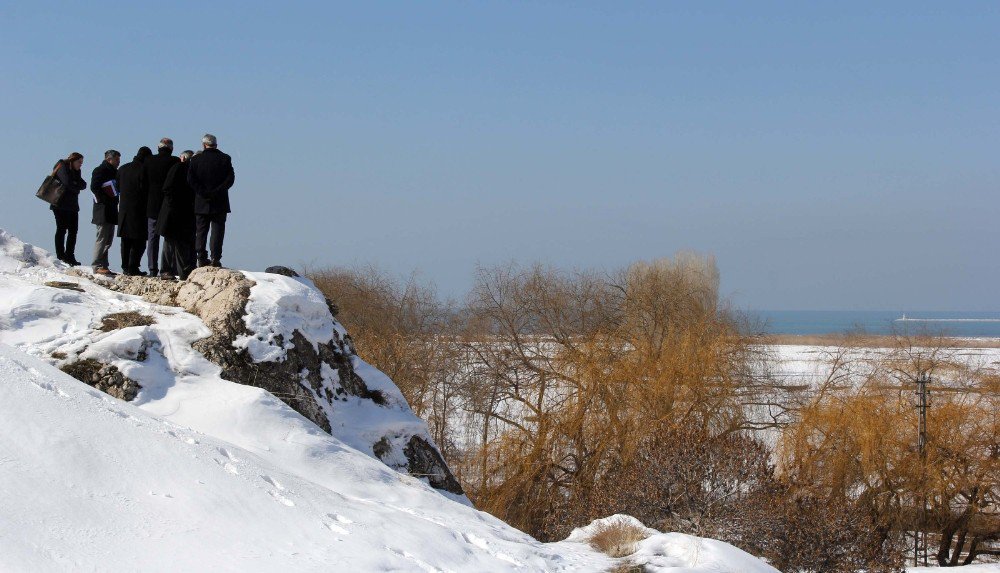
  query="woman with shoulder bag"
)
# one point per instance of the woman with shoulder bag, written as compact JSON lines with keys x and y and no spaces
{"x":67,"y":210}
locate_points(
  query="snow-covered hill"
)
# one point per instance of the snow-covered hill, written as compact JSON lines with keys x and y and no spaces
{"x":200,"y":473}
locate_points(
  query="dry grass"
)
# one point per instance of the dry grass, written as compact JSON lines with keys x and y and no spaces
{"x":120,"y":320}
{"x":617,"y":538}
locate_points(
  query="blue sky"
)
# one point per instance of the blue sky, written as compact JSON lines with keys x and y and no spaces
{"x":830,"y":155}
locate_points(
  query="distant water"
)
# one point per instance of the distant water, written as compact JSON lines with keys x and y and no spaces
{"x":960,"y":324}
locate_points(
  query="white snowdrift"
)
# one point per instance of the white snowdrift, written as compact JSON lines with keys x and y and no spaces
{"x":678,"y":552}
{"x":89,"y":482}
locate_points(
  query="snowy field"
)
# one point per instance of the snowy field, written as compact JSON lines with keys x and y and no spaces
{"x":202,"y":474}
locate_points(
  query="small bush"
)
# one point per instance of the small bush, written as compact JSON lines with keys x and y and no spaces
{"x":617,"y":538}
{"x":120,"y":320}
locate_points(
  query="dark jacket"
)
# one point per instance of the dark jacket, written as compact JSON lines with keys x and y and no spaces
{"x":211,"y":175}
{"x":105,"y":207}
{"x":176,"y":218}
{"x":73,"y":183}
{"x":132,"y":223}
{"x":155,"y":170}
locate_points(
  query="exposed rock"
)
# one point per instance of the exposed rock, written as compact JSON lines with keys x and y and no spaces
{"x":120,"y":320}
{"x":219,"y":296}
{"x":280,"y":270}
{"x":64,"y":285}
{"x":426,"y":461}
{"x":103,"y":377}
{"x":153,"y":290}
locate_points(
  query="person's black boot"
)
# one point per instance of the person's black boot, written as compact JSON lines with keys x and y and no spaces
{"x":217,"y":264}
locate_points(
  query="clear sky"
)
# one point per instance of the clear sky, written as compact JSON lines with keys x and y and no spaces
{"x":836,"y":155}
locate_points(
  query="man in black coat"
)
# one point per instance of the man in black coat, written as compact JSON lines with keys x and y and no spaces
{"x":155,"y":173}
{"x":103,"y":184}
{"x":176,"y":221}
{"x":132,"y":220}
{"x":211,"y":175}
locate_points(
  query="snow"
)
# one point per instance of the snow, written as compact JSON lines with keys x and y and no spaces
{"x":974,"y":568}
{"x":279,"y":306}
{"x":678,"y":552}
{"x":199,"y":473}
{"x":93,"y":483}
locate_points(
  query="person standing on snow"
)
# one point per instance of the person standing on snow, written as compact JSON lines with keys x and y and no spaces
{"x":132,"y":206}
{"x":210,"y":175}
{"x":103,"y":184}
{"x":154,"y":174}
{"x":67,"y":210}
{"x":176,"y":221}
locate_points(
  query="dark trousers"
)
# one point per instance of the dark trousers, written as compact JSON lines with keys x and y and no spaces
{"x":217,"y":223}
{"x":67,"y":224}
{"x":168,"y":259}
{"x":105,"y":235}
{"x":132,"y":250}
{"x":152,"y":247}
{"x":182,"y":257}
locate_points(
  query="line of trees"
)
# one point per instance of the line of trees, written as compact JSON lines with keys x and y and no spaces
{"x":560,"y":397}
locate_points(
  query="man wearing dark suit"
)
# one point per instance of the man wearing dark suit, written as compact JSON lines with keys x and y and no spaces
{"x":132,"y":221}
{"x":155,"y":171}
{"x":210,"y":176}
{"x":176,"y":221}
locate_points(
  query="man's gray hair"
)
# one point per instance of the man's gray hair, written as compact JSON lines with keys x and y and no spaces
{"x":187,"y":154}
{"x":209,"y":140}
{"x":111,"y":154}
{"x":166,"y":142}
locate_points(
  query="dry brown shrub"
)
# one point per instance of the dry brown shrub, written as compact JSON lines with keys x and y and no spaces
{"x":120,"y":320}
{"x":617,"y":538}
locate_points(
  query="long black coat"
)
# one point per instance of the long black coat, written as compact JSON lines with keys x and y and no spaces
{"x":132,"y":223}
{"x":176,"y":219}
{"x":72,"y":183}
{"x":105,"y":207}
{"x":155,"y":169}
{"x":211,"y":175}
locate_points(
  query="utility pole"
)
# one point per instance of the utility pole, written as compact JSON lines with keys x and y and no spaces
{"x":919,"y":534}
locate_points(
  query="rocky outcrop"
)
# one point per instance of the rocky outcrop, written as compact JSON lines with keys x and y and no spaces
{"x":425,"y":461}
{"x":312,"y":378}
{"x":103,"y":377}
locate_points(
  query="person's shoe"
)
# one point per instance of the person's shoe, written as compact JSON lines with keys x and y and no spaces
{"x":105,"y":272}
{"x":167,"y":277}
{"x":217,"y":264}
{"x":203,"y":263}
{"x":71,"y":261}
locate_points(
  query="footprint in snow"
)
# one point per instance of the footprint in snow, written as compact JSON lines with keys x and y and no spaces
{"x":226,"y":453}
{"x":281,"y":499}
{"x":228,"y":467}
{"x":340,"y":518}
{"x":273,"y":482}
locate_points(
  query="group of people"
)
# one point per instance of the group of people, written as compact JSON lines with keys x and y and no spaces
{"x":182,"y":199}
